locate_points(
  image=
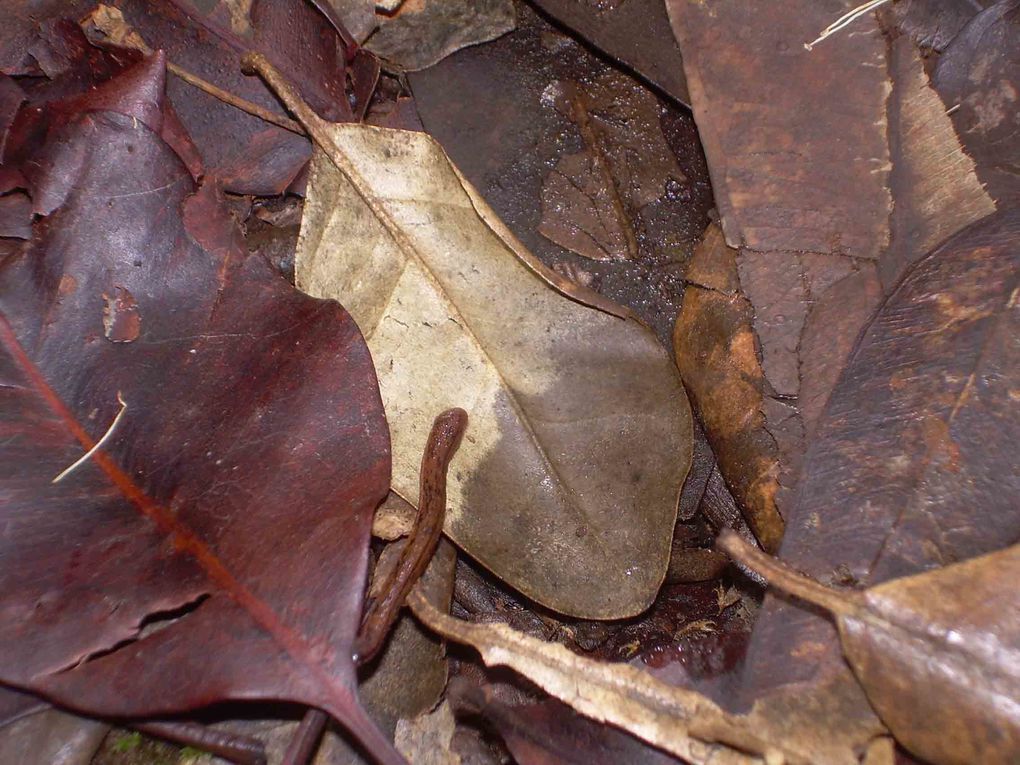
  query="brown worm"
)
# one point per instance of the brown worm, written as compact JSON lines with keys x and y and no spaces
{"x":447,"y":431}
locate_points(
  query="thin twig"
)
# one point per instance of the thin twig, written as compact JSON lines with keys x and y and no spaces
{"x":785,"y":578}
{"x":106,"y":437}
{"x":845,"y":20}
{"x":106,"y":25}
{"x":236,"y":101}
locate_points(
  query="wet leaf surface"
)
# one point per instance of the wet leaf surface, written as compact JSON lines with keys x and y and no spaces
{"x":157,"y":548}
{"x":908,"y":447}
{"x":593,"y":201}
{"x":634,"y":32}
{"x":978,"y":80}
{"x":568,"y":481}
{"x":509,"y":152}
{"x":248,"y":155}
{"x":423,"y":32}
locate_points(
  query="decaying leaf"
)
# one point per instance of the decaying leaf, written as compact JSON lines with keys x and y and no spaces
{"x":934,"y":182}
{"x":179,"y":564}
{"x":934,"y":23}
{"x":508,"y":149}
{"x":978,"y":77}
{"x":425,"y":740}
{"x":592,"y":201}
{"x":937,"y":653}
{"x":680,"y":721}
{"x":909,"y":449}
{"x":635,"y":32}
{"x":786,"y":130}
{"x":715,"y":351}
{"x":567,"y":482}
{"x":423,"y":32}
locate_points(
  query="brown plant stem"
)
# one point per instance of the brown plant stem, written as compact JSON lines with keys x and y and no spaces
{"x":787,"y":579}
{"x":106,"y":25}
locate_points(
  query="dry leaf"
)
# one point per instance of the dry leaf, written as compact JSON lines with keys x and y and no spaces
{"x":423,"y":32}
{"x":567,"y":482}
{"x":716,"y":354}
{"x":426,"y":739}
{"x":680,"y":721}
{"x":936,"y":189}
{"x":938,"y":653}
{"x":788,"y":131}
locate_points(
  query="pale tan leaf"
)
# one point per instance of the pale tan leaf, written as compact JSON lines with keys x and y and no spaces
{"x":567,"y":482}
{"x":426,"y":739}
{"x":792,"y":728}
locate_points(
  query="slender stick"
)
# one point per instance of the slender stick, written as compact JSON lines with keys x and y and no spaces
{"x":96,"y":446}
{"x":785,"y":578}
{"x":236,"y":101}
{"x":306,"y":738}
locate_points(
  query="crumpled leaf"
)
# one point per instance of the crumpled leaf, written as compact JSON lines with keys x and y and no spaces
{"x":937,"y":653}
{"x":677,"y":720}
{"x":215,"y":546}
{"x":421,"y":33}
{"x":717,"y":358}
{"x":977,"y":77}
{"x":567,"y":482}
{"x":635,"y":32}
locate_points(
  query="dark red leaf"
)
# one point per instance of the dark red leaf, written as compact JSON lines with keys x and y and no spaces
{"x":215,"y":547}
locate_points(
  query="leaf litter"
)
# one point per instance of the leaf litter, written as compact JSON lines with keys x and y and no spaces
{"x":865,"y":323}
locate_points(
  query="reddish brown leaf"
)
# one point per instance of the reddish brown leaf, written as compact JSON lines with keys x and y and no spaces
{"x":215,"y":546}
{"x":978,"y":79}
{"x":249,"y":156}
{"x":635,"y":32}
{"x":908,"y":471}
{"x":787,"y":131}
